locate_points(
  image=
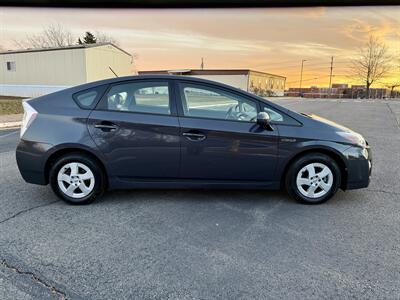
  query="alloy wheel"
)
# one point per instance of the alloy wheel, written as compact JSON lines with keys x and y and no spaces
{"x":75,"y":180}
{"x":314,"y":180}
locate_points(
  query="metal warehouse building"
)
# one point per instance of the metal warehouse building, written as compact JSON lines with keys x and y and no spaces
{"x":260,"y":83}
{"x":34,"y":72}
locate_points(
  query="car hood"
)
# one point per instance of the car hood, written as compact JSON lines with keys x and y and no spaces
{"x":335,"y":132}
{"x":330,"y":123}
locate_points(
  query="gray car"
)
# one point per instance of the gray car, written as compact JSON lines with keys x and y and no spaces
{"x":165,"y":132}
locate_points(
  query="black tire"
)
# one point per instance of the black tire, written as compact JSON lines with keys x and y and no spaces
{"x":303,"y":161}
{"x":99,"y":177}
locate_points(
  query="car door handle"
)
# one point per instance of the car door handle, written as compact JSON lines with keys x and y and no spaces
{"x":106,"y":127}
{"x":195,"y":137}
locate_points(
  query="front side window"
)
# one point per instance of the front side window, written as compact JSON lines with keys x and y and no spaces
{"x":279,"y":117}
{"x":274,"y":115}
{"x":207,"y":102}
{"x":141,"y":97}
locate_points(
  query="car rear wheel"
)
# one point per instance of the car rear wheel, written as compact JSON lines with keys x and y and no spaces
{"x":77,"y":179}
{"x":313,"y":178}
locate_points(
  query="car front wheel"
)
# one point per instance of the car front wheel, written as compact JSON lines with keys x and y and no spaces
{"x":77,"y":179}
{"x":313,"y":178}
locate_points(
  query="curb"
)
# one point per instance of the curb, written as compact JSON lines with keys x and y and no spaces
{"x":10,"y":124}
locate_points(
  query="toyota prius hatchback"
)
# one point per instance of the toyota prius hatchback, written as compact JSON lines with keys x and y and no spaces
{"x":147,"y":132}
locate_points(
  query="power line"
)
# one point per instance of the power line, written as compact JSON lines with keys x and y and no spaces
{"x":316,"y":78}
{"x":307,"y":70}
{"x":309,"y":79}
{"x":286,"y":66}
{"x":290,"y":63}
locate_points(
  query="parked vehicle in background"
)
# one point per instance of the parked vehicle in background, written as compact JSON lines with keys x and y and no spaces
{"x":179,"y":132}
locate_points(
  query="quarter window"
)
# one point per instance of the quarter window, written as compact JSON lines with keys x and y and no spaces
{"x":207,"y":102}
{"x":141,"y":97}
{"x":86,"y":99}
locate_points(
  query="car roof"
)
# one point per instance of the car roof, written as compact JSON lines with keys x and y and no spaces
{"x":152,"y":77}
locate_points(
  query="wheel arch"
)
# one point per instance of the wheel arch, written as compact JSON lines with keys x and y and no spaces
{"x":69,"y":150}
{"x":320,"y":150}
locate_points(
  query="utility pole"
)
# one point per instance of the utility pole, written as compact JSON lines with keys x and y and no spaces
{"x":202,"y":63}
{"x":301,"y":75}
{"x":330,"y":78}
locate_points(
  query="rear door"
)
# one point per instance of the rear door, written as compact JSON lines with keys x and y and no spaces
{"x":220,"y":137}
{"x":135,"y":126}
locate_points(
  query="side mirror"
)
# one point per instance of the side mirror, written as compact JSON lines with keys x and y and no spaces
{"x":263,"y":120}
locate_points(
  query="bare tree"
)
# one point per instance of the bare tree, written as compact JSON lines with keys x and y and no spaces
{"x":54,"y":35}
{"x":102,"y":37}
{"x":392,"y":86}
{"x":373,"y":63}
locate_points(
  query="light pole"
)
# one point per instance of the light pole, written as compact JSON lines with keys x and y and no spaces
{"x":330,"y":78}
{"x":301,"y":75}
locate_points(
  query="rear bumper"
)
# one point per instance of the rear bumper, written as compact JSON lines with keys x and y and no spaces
{"x":31,"y":161}
{"x":359,"y":168}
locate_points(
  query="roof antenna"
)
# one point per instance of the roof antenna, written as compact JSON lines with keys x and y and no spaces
{"x":113,"y":71}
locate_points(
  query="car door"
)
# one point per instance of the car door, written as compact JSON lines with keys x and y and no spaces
{"x":136,"y":128}
{"x":220,"y":137}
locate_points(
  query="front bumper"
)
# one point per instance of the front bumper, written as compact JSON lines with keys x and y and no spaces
{"x":31,"y":161}
{"x":359,"y":167}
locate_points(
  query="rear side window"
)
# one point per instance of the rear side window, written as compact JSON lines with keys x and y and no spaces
{"x":140,"y":97}
{"x":88,"y":99}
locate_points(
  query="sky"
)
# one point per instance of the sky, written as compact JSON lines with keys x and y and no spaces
{"x":274,"y":40}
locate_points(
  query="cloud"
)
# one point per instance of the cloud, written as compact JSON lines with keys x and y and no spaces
{"x":191,"y":41}
{"x":309,"y":49}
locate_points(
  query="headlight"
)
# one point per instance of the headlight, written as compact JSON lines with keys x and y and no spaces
{"x":353,"y":138}
{"x":365,"y":153}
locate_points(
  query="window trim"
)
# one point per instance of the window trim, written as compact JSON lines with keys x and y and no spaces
{"x":171,"y":96}
{"x":179,"y":85}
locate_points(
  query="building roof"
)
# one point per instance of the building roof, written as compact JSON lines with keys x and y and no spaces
{"x":207,"y":72}
{"x":62,"y":48}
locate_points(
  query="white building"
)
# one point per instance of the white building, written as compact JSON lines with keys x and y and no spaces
{"x":260,"y":83}
{"x":34,"y":72}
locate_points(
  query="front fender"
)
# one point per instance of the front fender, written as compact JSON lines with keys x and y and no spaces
{"x":290,"y":150}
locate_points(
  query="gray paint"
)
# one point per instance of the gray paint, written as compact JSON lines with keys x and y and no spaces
{"x":146,"y":158}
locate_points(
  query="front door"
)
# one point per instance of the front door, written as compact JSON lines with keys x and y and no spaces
{"x":220,"y":137}
{"x":136,"y":128}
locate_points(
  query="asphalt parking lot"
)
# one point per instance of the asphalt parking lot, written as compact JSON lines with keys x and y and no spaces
{"x":210,"y":244}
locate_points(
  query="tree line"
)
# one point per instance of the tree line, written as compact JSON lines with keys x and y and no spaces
{"x":55,"y":35}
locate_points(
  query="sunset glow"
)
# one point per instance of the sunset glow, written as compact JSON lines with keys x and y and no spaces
{"x":270,"y":40}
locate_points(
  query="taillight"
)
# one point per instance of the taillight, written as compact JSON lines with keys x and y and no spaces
{"x":29,"y":116}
